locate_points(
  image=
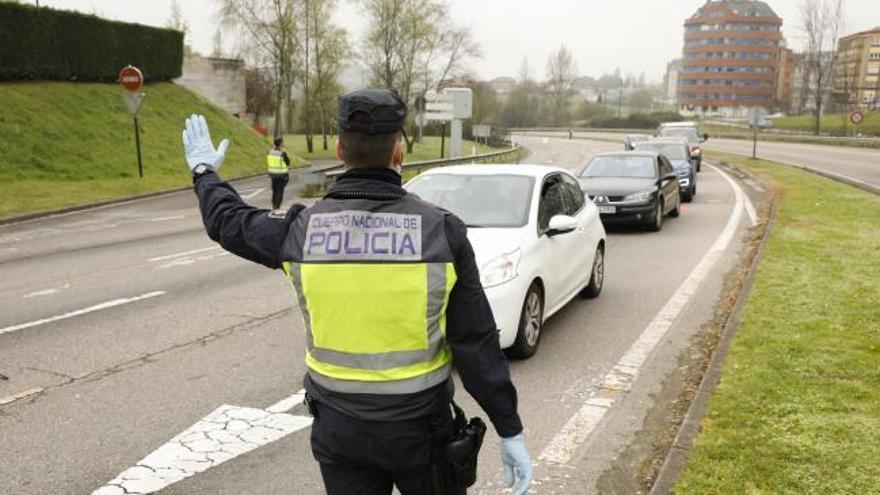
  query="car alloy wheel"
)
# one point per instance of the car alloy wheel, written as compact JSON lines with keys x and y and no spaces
{"x":675,"y":212}
{"x":597,"y":275}
{"x":531,"y":323}
{"x":657,"y":218}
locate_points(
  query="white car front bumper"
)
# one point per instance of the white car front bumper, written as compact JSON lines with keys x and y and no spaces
{"x":507,"y":302}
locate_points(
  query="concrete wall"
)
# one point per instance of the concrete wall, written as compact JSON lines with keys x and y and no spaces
{"x":219,"y":80}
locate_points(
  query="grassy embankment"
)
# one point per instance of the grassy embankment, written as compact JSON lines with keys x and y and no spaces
{"x":65,"y":144}
{"x":428,"y":150}
{"x":798,"y":406}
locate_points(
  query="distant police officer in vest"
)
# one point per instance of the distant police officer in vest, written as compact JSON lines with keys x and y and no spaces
{"x":278,"y":165}
{"x":391,"y":300}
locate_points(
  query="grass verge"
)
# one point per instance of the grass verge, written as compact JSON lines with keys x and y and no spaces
{"x":66,"y":144}
{"x":428,"y":150}
{"x":832,"y":123}
{"x":798,"y":406}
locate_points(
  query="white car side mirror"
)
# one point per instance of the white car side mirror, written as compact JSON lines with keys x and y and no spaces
{"x":561,"y":224}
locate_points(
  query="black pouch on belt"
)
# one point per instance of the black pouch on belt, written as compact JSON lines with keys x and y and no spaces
{"x":463,"y":449}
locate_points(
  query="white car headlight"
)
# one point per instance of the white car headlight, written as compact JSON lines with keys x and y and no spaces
{"x":501,"y":269}
{"x":639,"y":196}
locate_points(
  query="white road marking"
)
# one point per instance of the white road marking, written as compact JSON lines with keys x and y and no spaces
{"x":20,"y":395}
{"x":750,"y":209}
{"x":46,"y":292}
{"x":164,"y":219}
{"x":191,"y":261}
{"x":224,"y":434}
{"x":90,"y":309}
{"x":182,"y":254}
{"x":621,"y":378}
{"x":253,"y":194}
{"x":287,"y":404}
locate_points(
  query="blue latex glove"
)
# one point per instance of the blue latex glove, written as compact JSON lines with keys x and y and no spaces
{"x":197,"y":145}
{"x":517,"y":463}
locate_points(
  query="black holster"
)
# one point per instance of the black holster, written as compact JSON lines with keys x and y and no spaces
{"x":457,"y":448}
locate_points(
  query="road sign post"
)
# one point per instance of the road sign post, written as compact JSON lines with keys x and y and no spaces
{"x":132,"y":80}
{"x":757,"y":118}
{"x":451,"y":105}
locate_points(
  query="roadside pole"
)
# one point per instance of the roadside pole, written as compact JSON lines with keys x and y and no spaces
{"x":755,"y":142}
{"x":442,"y":139}
{"x":137,"y":143}
{"x":757,"y":118}
{"x":132,"y":80}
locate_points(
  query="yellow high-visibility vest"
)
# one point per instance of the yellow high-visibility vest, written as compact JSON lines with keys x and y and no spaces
{"x":373,"y":289}
{"x":275,"y":162}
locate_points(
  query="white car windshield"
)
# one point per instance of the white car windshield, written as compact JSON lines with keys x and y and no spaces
{"x":620,"y":166}
{"x":671,"y":151}
{"x":500,"y":201}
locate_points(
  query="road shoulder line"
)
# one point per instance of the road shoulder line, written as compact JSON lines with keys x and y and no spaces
{"x":622,"y":376}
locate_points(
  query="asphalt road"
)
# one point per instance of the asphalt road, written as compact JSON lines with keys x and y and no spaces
{"x":859,"y":164}
{"x":124,"y":327}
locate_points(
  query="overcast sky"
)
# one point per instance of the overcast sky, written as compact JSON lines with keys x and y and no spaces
{"x":634,"y":35}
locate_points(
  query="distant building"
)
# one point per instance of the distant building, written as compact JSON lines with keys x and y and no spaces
{"x":730,"y":58}
{"x":785,"y":79}
{"x":671,"y":80}
{"x":857,"y":69}
{"x":803,"y":85}
{"x":585,"y":87}
{"x":503,"y":86}
{"x":219,"y":80}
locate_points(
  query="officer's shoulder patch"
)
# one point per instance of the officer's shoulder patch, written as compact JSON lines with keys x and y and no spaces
{"x":363,"y":235}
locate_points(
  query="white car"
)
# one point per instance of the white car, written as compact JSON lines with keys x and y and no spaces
{"x":538,"y":242}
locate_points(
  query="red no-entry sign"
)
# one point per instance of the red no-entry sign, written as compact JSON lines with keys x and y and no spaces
{"x":131,"y":78}
{"x":856,"y":117}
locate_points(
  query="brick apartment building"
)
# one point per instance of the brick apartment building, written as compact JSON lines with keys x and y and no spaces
{"x":730,"y":59}
{"x":857,"y":69}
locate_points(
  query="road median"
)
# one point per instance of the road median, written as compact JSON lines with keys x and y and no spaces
{"x":797,"y":408}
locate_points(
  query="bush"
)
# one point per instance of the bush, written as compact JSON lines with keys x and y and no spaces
{"x":47,"y":44}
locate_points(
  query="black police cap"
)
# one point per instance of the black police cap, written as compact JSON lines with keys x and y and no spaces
{"x":371,"y":111}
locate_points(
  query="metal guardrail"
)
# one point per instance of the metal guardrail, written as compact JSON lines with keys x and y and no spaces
{"x":776,"y":133}
{"x":331,"y":174}
{"x":526,"y":130}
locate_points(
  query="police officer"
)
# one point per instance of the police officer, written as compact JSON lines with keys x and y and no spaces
{"x":278,"y":164}
{"x":391,"y":299}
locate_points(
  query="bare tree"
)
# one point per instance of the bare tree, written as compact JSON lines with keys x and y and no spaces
{"x":270,"y":29}
{"x":178,"y":23}
{"x":412,"y":46}
{"x":330,"y":49}
{"x":561,"y":72}
{"x":823,"y":23}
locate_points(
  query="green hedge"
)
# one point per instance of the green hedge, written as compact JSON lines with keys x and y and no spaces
{"x":47,"y":44}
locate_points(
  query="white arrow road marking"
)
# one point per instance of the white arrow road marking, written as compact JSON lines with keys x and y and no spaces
{"x":226,"y":433}
{"x":621,"y":378}
{"x":90,"y":309}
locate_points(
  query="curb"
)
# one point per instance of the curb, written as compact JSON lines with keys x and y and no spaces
{"x":677,"y":455}
{"x":111,"y":202}
{"x":859,"y":184}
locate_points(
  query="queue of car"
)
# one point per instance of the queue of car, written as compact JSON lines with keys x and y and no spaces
{"x":538,"y":232}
